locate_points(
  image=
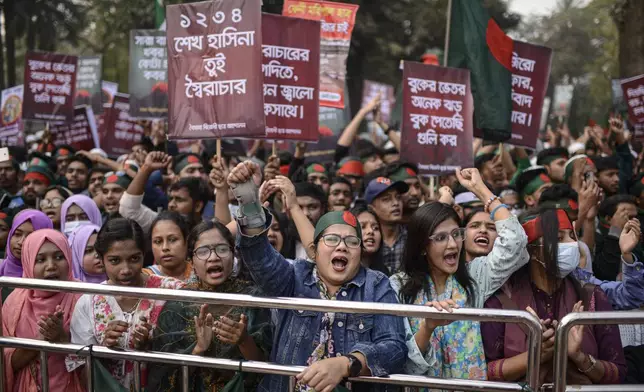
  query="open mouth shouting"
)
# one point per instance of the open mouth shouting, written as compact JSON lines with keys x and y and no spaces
{"x":339,"y":263}
{"x":451,"y":259}
{"x":215,"y":272}
{"x":482,"y":240}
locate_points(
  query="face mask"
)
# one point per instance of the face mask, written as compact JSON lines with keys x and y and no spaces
{"x":568,"y":256}
{"x":71,"y":226}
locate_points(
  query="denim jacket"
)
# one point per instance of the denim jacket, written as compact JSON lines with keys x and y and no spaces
{"x":380,"y":338}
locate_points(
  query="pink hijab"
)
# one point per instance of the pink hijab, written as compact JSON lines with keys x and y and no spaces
{"x":21,"y":312}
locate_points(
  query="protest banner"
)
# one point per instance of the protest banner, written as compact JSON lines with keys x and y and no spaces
{"x":50,"y":83}
{"x":437,"y":118}
{"x":88,"y":83}
{"x":109,"y":91}
{"x":148,"y":77}
{"x":530,"y":75}
{"x":637,"y":130}
{"x":387,"y":98}
{"x":215,"y":70}
{"x":291,"y":68}
{"x":81,"y":133}
{"x":633,"y":89}
{"x":338,"y":20}
{"x":121,"y":131}
{"x":11,"y":120}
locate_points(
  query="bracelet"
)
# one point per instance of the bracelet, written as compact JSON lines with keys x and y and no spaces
{"x":496,"y":209}
{"x":593,"y":362}
{"x":490,"y":201}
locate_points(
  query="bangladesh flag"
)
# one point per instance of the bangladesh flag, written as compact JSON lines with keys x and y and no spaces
{"x":478,"y":44}
{"x":159,"y":14}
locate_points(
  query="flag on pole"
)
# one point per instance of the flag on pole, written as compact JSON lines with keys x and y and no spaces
{"x":478,"y":44}
{"x":159,"y":14}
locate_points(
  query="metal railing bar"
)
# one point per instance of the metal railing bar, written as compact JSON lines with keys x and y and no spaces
{"x":185,"y":379}
{"x":89,"y":372}
{"x":606,"y":388}
{"x":44,"y":372}
{"x":249,"y":366}
{"x":561,"y":344}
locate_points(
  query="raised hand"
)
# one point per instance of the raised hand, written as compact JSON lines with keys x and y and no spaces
{"x":588,"y":199}
{"x":156,"y":160}
{"x":203,"y":331}
{"x":630,"y":236}
{"x":446,"y":305}
{"x":230,"y":331}
{"x":445,"y":195}
{"x":575,"y":336}
{"x":471,"y":179}
{"x":272,"y":168}
{"x":243,"y":172}
{"x":218,"y":174}
{"x":283,"y":184}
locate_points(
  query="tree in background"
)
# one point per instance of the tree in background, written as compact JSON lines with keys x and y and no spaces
{"x":629,"y":17}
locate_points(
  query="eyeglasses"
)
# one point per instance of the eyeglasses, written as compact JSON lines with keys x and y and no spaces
{"x":457,"y":234}
{"x":203,"y":253}
{"x":333,"y":240}
{"x":53,"y":203}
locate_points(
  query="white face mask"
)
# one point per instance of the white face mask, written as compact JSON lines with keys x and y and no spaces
{"x":71,"y":226}
{"x":568,"y":257}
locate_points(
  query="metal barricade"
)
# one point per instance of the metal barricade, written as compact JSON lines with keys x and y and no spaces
{"x":492,"y":315}
{"x":561,"y":347}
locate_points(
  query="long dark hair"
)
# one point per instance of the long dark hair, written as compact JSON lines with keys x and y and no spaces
{"x":288,"y":245}
{"x":376,"y":260}
{"x":422,"y":224}
{"x":119,"y":229}
{"x":174,"y":217}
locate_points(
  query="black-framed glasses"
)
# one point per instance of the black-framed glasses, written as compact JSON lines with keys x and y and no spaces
{"x":203,"y":252}
{"x":457,"y":234}
{"x":333,"y":240}
{"x":53,"y":203}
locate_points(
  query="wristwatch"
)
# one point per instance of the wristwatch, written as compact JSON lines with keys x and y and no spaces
{"x":355,"y":366}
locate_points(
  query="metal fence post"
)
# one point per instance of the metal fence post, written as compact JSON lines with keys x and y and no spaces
{"x":291,"y":384}
{"x":185,"y":378}
{"x":89,"y":373}
{"x":137,"y":376}
{"x":44,"y":372}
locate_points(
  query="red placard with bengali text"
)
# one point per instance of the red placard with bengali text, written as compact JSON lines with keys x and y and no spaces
{"x":634,"y":96}
{"x":120,"y":131}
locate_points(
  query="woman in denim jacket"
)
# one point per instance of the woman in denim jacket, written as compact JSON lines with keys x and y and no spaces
{"x":333,"y":346}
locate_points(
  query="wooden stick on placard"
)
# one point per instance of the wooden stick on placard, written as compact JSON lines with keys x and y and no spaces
{"x":274,"y":148}
{"x":501,"y":148}
{"x":431,"y":187}
{"x":218,"y":148}
{"x":447,"y":32}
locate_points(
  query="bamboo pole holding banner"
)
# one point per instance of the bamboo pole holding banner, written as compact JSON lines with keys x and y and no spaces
{"x":431,"y":187}
{"x":218,"y":148}
{"x":447,"y":32}
{"x":274,"y":148}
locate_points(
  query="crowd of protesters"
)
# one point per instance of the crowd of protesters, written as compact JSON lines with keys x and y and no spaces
{"x":550,"y":231}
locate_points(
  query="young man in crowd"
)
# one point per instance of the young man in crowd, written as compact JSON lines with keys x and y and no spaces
{"x":607,"y":174}
{"x":371,"y":158}
{"x":351,"y":168}
{"x":10,"y":176}
{"x":554,"y":159}
{"x":63,"y":155}
{"x":531,"y":183}
{"x":412,"y":199}
{"x":318,"y":175}
{"x":34,"y":185}
{"x":614,"y":213}
{"x":384,"y":197}
{"x":340,"y":194}
{"x":189,"y":165}
{"x":313,"y":202}
{"x":77,"y":174}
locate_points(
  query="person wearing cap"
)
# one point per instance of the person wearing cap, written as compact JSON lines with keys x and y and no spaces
{"x":340,"y":194}
{"x":351,"y":168}
{"x":408,"y":174}
{"x":607,"y":174}
{"x":578,"y":169}
{"x":77,"y":174}
{"x":318,"y":175}
{"x":465,"y":201}
{"x":114,"y":185}
{"x":553,"y":159}
{"x":333,"y":346}
{"x":531,"y":183}
{"x":547,"y":288}
{"x":36,"y":181}
{"x":384,"y":197}
{"x":189,"y":165}
{"x":62,"y":154}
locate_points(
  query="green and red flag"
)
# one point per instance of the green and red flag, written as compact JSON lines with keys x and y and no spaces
{"x":159,"y":14}
{"x":478,"y":44}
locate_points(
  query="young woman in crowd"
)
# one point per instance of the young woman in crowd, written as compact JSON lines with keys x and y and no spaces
{"x":435,"y":273}
{"x":42,"y":315}
{"x":546,"y":288}
{"x":480,"y":234}
{"x":168,"y":234}
{"x":371,"y":238}
{"x":122,"y":322}
{"x":51,"y":203}
{"x":332,"y":345}
{"x":87,"y":266}
{"x":210,"y":330}
{"x":79,"y":210}
{"x":24,"y":223}
{"x":278,"y":235}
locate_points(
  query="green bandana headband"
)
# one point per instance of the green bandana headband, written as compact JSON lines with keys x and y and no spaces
{"x":189,"y":159}
{"x":118,"y":178}
{"x":569,"y":165}
{"x":402,"y":174}
{"x":536,"y":183}
{"x":316,"y":168}
{"x":564,"y":204}
{"x":549,"y":159}
{"x":337,"y":218}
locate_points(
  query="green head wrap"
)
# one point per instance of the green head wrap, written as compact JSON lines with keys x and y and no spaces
{"x":337,"y":218}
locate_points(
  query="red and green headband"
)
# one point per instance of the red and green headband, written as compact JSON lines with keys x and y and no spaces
{"x":536,"y":183}
{"x":533,"y":229}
